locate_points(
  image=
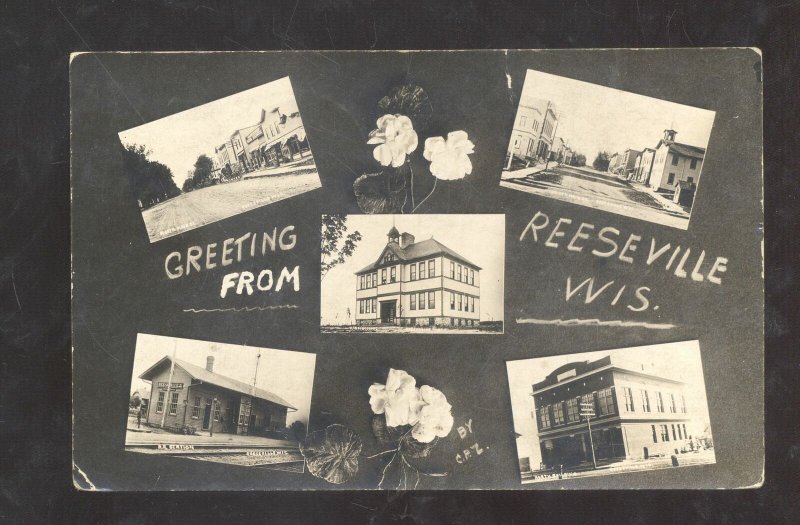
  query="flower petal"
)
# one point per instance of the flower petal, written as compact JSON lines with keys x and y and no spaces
{"x":383,"y":154}
{"x":384,"y":120}
{"x":376,"y":136}
{"x":433,"y":145}
{"x":455,"y":138}
{"x":403,"y":123}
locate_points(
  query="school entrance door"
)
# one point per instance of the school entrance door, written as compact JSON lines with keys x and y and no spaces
{"x":388,"y":311}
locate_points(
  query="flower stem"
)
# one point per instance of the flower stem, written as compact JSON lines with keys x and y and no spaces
{"x":412,"y":187}
{"x":381,"y":453}
{"x":426,"y":198}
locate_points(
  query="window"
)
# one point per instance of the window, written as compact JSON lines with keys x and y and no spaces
{"x":393,"y":276}
{"x":413,"y":301}
{"x":413,"y":270}
{"x":558,"y":414}
{"x":452,"y":301}
{"x":422,"y":300}
{"x":572,"y":410}
{"x":431,"y":268}
{"x":471,"y":304}
{"x":160,"y":402}
{"x":459,"y":272}
{"x":361,"y":306}
{"x":672,"y":403}
{"x":645,"y":401}
{"x":674,"y":160}
{"x":683,"y":404}
{"x":216,"y":411}
{"x":472,"y":277}
{"x":361,"y":282}
{"x":659,"y":402}
{"x":452,"y":270}
{"x":431,"y":300}
{"x":544,"y":418}
{"x":693,"y":164}
{"x":173,"y":403}
{"x":383,"y":276}
{"x":522,"y":121}
{"x":685,"y":435}
{"x":690,"y":180}
{"x":460,"y":298}
{"x":680,"y":434}
{"x":664,"y":433}
{"x":196,"y":407}
{"x":605,"y":400}
{"x":374,"y":305}
{"x":674,"y":435}
{"x":422,"y":270}
{"x":655,"y":438}
{"x":628,"y":395}
{"x":671,"y":178}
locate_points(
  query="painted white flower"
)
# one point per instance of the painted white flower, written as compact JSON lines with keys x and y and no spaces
{"x":434,"y":419}
{"x":395,"y":137}
{"x":449,"y":160}
{"x":399,"y":399}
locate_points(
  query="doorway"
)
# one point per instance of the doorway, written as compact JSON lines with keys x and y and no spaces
{"x":207,"y":415}
{"x":388,"y":311}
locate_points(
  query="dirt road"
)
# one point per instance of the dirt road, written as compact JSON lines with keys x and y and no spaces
{"x":200,"y":207}
{"x":600,"y":191}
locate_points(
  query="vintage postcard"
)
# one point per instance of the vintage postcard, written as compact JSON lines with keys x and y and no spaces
{"x":607,"y":149}
{"x":225,"y":403}
{"x":433,"y":274}
{"x":218,"y":160}
{"x":611,"y":412}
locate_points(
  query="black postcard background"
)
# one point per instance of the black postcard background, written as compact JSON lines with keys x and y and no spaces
{"x":120,"y":289}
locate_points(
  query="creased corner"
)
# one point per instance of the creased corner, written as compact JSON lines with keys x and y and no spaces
{"x":80,"y":480}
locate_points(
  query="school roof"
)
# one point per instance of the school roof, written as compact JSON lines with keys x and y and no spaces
{"x":419,"y":250}
{"x":583,"y":368}
{"x":203,"y":375}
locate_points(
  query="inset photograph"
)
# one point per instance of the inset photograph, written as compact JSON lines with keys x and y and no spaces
{"x":220,"y":159}
{"x":439,"y":274}
{"x":610,"y":412}
{"x":225,"y":403}
{"x":607,"y":149}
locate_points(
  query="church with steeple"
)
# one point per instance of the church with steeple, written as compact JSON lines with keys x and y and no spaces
{"x":674,"y":163}
{"x":421,"y":283}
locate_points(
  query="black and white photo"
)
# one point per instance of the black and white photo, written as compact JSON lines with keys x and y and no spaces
{"x":609,"y":412}
{"x":608,"y":149}
{"x":225,"y":403}
{"x":421,"y":273}
{"x":220,"y":159}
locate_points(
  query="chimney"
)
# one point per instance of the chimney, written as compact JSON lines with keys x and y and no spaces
{"x":210,"y":363}
{"x":406,"y":239}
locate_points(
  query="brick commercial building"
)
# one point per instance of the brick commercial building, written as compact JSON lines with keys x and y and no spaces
{"x":639,"y":413}
{"x":418,"y":284}
{"x":200,"y":398}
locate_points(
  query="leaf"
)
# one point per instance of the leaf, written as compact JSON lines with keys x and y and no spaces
{"x":386,"y":434}
{"x":411,"y":101}
{"x":412,"y":448}
{"x":383,"y":192}
{"x":332,"y":454}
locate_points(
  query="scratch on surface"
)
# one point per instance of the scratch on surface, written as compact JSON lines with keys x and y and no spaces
{"x":94,"y":338}
{"x":508,"y":78}
{"x":597,"y":322}
{"x":243,"y":309}
{"x":14,"y":286}
{"x":84,"y":476}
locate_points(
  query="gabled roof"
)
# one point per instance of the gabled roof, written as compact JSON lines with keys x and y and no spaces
{"x":418,"y":250}
{"x":201,"y":374}
{"x":684,"y":149}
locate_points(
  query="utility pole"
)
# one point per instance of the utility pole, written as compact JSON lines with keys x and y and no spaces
{"x":587,"y":411}
{"x":169,"y":385}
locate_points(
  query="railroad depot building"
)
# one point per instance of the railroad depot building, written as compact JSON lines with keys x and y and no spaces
{"x":205,"y":400}
{"x":418,"y":284}
{"x":638,"y":413}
